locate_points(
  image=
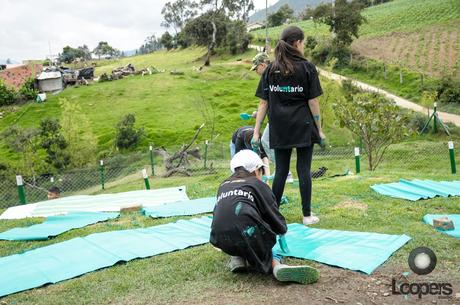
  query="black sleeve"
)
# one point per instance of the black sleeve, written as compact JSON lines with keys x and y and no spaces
{"x":269,"y":208}
{"x":262,"y":88}
{"x":262,"y":153}
{"x":313,"y":85}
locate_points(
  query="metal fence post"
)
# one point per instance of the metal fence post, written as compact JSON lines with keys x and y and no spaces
{"x":146,"y":179}
{"x":453,"y":166}
{"x":206,"y":153}
{"x":152,"y":160}
{"x":101,"y":169}
{"x":21,"y":191}
{"x":357,"y":160}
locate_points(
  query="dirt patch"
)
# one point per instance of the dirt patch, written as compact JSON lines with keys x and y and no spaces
{"x":352,"y":204}
{"x":336,"y":286}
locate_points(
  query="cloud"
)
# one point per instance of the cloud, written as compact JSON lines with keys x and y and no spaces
{"x":28,"y":28}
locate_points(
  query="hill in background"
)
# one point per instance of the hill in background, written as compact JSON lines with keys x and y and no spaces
{"x":297,"y":5}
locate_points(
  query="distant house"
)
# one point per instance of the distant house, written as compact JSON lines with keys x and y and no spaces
{"x":50,"y":82}
{"x":254,"y":26}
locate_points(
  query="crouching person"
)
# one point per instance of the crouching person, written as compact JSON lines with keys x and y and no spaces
{"x":247,"y":220}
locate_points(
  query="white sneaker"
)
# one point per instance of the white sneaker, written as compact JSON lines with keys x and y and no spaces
{"x":237,"y":264}
{"x":289,"y":178}
{"x":299,"y":274}
{"x":310,"y":220}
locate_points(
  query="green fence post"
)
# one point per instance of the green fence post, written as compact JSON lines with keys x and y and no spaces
{"x":146,"y":179}
{"x":435,"y":119}
{"x":152,"y":160}
{"x":357,"y":160}
{"x":21,"y":191}
{"x":205,"y":153}
{"x":101,"y":169}
{"x":453,"y":166}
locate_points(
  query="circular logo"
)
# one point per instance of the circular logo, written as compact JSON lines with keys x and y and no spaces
{"x":422,"y":260}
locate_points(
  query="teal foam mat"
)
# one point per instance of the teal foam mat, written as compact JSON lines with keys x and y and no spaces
{"x":182,"y":208}
{"x":428,"y":219}
{"x":55,"y":225}
{"x":359,"y":251}
{"x":418,"y":189}
{"x":74,"y":257}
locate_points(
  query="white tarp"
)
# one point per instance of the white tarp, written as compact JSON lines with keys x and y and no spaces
{"x":97,"y":203}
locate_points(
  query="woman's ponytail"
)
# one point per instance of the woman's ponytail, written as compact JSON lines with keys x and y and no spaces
{"x":285,"y":52}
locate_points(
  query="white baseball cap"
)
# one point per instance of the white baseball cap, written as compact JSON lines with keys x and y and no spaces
{"x":248,"y":159}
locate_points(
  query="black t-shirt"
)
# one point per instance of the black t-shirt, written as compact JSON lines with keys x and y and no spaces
{"x":242,"y":140}
{"x":290,"y":118}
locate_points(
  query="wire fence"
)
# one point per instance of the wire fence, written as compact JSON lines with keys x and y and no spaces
{"x":124,"y":172}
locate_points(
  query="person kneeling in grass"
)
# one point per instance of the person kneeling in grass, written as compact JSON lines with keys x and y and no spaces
{"x":247,"y":219}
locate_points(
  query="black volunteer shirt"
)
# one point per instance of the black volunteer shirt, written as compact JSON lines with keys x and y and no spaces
{"x":246,"y":221}
{"x":240,"y":137}
{"x":290,"y":118}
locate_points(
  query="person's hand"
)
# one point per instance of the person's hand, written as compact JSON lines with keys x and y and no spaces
{"x":255,"y":143}
{"x":322,"y":141}
{"x":283,"y":244}
{"x":254,"y":114}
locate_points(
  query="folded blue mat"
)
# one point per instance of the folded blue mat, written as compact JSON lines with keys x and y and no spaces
{"x":181,"y":208}
{"x":358,"y":251}
{"x":428,"y":219}
{"x":55,"y":225}
{"x":418,"y":189}
{"x":74,"y":257}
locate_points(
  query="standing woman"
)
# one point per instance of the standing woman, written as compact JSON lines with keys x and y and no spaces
{"x":288,"y":89}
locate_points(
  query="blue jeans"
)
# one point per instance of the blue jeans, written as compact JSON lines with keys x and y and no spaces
{"x":277,"y":256}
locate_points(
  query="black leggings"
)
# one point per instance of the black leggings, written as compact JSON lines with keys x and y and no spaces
{"x":283,"y":160}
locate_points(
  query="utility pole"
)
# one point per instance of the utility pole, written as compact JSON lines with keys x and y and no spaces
{"x":333,"y":19}
{"x":266,"y":27}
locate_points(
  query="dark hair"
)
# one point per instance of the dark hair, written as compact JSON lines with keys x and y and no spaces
{"x":241,"y":173}
{"x":54,"y":189}
{"x":285,"y":52}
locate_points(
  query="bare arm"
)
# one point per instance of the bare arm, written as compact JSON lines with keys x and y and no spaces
{"x":315,"y":111}
{"x":261,"y":112}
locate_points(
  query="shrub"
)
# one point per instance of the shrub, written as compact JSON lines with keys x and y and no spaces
{"x":448,"y":90}
{"x":126,"y":135}
{"x":28,"y":91}
{"x":7,"y":96}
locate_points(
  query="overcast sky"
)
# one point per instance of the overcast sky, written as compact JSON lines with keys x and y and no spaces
{"x":28,"y":28}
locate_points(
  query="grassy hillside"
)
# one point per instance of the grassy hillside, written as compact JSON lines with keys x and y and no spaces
{"x":419,"y":34}
{"x":168,"y":107}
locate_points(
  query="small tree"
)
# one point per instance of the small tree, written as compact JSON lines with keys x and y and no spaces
{"x":25,"y":142}
{"x":127,"y":135}
{"x":428,"y":98}
{"x":54,"y":143}
{"x":344,"y":20}
{"x":77,"y":131}
{"x":281,"y":16}
{"x":167,"y":41}
{"x":374,"y":119}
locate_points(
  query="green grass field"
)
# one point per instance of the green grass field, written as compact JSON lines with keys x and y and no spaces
{"x":199,"y":275}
